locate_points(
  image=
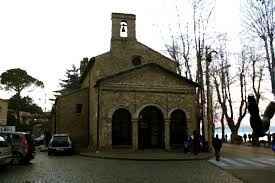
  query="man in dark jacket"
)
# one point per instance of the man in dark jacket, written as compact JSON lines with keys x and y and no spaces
{"x":196,"y":142}
{"x":217,"y":145}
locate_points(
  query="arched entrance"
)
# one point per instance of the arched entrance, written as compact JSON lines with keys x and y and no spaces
{"x":121,"y":127}
{"x":151,"y":128}
{"x":178,"y":128}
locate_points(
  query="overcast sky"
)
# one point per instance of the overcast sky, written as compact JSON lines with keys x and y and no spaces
{"x":44,"y":37}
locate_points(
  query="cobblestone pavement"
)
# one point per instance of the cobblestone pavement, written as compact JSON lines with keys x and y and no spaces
{"x":83,"y":169}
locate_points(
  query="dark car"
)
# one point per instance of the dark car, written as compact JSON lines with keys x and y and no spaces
{"x":5,"y":152}
{"x":22,"y":146}
{"x":60,"y":143}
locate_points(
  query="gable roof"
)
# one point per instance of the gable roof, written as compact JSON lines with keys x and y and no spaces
{"x":156,"y":52}
{"x":90,"y":65}
{"x":93,"y":60}
{"x":149,"y":65}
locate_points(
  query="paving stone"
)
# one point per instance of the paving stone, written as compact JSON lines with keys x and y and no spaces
{"x":72,"y":169}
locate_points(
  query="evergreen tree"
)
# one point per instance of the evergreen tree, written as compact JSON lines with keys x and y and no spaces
{"x":71,"y":81}
{"x":25,"y":104}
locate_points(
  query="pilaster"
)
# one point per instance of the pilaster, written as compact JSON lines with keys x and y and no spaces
{"x":135,"y":134}
{"x":167,"y":134}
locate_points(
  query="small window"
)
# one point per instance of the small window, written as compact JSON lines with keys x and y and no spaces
{"x":136,"y":60}
{"x":78,"y":108}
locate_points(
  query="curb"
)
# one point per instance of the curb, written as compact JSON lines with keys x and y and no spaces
{"x":143,"y":159}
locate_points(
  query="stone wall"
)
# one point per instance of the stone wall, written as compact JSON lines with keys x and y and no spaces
{"x":134,"y":102}
{"x":134,"y":98}
{"x":70,"y":119}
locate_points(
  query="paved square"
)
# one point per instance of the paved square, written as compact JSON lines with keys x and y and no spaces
{"x":83,"y":169}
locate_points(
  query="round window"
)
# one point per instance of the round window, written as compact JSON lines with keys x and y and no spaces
{"x":136,"y":60}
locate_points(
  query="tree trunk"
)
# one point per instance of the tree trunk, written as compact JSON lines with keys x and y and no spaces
{"x":18,"y":110}
{"x":202,"y":94}
{"x":235,"y":138}
{"x":222,"y":123}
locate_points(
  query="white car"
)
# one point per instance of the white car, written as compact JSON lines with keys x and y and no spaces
{"x":6,"y":156}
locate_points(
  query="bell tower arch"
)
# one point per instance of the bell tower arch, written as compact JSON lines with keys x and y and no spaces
{"x":123,"y":26}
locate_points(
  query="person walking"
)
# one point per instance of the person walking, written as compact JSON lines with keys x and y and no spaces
{"x":273,"y":142}
{"x":249,"y":137}
{"x":225,"y":138}
{"x":217,"y":145}
{"x":269,"y":138}
{"x":245,"y":137}
{"x":196,"y":142}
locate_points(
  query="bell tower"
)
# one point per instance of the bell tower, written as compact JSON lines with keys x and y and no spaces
{"x":123,"y":26}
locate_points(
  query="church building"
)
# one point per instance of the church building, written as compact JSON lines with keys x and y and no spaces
{"x":130,"y":97}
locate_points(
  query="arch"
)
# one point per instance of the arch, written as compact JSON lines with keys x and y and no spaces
{"x":114,"y":109}
{"x":178,"y":128}
{"x":136,"y":115}
{"x":174,"y":109}
{"x":123,"y":29}
{"x":150,"y":127}
{"x":121,"y":127}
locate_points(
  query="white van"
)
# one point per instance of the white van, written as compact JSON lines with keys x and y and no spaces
{"x":5,"y":152}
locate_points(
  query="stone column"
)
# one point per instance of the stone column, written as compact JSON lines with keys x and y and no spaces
{"x":135,"y":134}
{"x":167,"y":134}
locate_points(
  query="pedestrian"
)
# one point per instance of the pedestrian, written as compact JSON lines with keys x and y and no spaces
{"x":185,"y":144}
{"x":244,"y":137}
{"x":269,"y":139}
{"x":217,"y":145}
{"x":249,"y":137}
{"x":196,"y":142}
{"x":273,"y":143}
{"x":190,"y":143}
{"x":47,"y":136}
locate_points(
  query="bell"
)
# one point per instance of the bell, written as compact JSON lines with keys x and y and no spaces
{"x":123,"y":28}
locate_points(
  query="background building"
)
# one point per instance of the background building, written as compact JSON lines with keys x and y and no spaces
{"x":3,"y":112}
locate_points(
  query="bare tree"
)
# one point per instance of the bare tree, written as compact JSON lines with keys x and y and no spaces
{"x":257,"y":62}
{"x":192,"y":43}
{"x":259,"y":20}
{"x":174,"y":52}
{"x":202,"y":11}
{"x":224,"y":83}
{"x":180,"y":52}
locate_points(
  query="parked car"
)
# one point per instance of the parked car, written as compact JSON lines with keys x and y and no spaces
{"x":22,"y":146}
{"x":60,"y":143}
{"x":5,"y":152}
{"x":39,"y":140}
